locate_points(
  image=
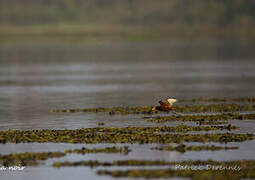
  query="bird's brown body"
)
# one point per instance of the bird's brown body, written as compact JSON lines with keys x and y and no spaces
{"x":164,"y":106}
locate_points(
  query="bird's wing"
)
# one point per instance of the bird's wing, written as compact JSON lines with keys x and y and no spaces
{"x":171,"y":101}
{"x":165,"y":105}
{"x":164,"y":102}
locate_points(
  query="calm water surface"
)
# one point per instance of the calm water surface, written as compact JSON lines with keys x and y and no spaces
{"x":103,"y":77}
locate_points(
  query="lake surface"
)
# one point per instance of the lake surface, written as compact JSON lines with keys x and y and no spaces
{"x":35,"y":78}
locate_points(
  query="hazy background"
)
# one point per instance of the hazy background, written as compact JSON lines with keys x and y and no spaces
{"x":96,"y":29}
{"x":129,"y":20}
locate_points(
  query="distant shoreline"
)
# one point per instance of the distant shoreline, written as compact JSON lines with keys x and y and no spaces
{"x":122,"y":32}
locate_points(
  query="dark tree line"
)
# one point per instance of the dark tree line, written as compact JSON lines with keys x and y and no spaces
{"x":217,"y":12}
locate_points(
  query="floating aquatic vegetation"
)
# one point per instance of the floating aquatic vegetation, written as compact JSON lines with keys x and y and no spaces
{"x":148,"y":109}
{"x":96,"y":163}
{"x":33,"y":158}
{"x":192,"y":174}
{"x":27,"y":159}
{"x":211,"y":122}
{"x":241,"y":99}
{"x":134,"y":162}
{"x":123,"y":150}
{"x":202,"y":118}
{"x":196,"y":170}
{"x":80,"y":163}
{"x":215,"y":108}
{"x":122,"y":135}
{"x":184,"y":148}
{"x":157,"y":129}
{"x":111,"y":110}
{"x":100,"y":124}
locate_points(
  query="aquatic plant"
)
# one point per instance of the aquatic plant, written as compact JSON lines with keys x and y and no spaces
{"x":196,"y":170}
{"x":183,"y":148}
{"x":149,"y":109}
{"x":111,"y":110}
{"x":27,"y":159}
{"x":240,"y":99}
{"x":192,"y":174}
{"x":215,"y":108}
{"x":211,"y":122}
{"x":135,"y":162}
{"x":123,"y":150}
{"x":122,"y":135}
{"x":201,"y":118}
{"x":100,"y":124}
{"x":33,"y":158}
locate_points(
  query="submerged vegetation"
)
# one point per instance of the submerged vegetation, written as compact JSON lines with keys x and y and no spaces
{"x":184,"y":148}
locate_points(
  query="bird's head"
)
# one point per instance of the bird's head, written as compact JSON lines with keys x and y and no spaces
{"x":172,"y":101}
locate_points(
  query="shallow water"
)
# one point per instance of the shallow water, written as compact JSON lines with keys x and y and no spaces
{"x":130,"y":77}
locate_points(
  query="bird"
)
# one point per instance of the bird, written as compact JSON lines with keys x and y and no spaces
{"x":165,"y":105}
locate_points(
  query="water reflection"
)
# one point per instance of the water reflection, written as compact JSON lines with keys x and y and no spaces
{"x":28,"y":92}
